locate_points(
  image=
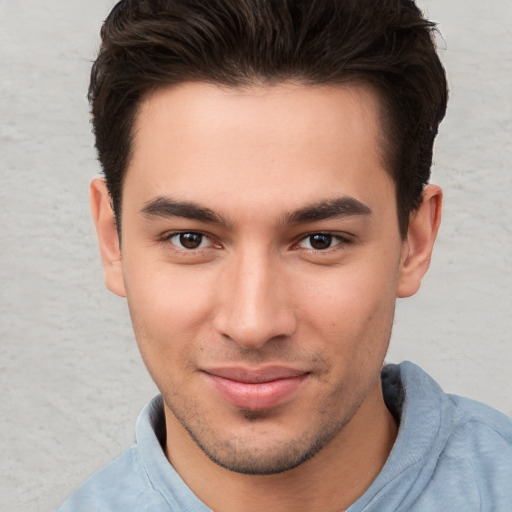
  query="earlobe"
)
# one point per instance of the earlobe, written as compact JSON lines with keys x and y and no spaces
{"x":108,"y":239}
{"x":419,"y":243}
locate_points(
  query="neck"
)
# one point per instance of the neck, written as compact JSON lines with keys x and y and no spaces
{"x":331,"y":481}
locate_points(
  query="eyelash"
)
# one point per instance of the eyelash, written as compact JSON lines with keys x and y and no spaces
{"x":342,"y":241}
{"x":167,"y":238}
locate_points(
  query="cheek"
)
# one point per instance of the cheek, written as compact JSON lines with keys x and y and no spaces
{"x":354,"y":309}
{"x":168,"y":308}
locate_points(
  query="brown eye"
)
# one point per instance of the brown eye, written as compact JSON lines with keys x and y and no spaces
{"x":323,"y":241}
{"x":320,"y":241}
{"x":189,"y":240}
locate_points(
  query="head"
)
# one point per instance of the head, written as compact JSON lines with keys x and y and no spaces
{"x":267,"y":164}
{"x":385,"y":44}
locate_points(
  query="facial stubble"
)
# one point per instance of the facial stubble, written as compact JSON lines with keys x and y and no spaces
{"x":243,"y":455}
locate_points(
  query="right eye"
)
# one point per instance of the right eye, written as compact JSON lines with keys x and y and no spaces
{"x":190,"y":240}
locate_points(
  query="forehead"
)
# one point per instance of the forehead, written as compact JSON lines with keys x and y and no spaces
{"x":196,"y":108}
{"x":282,"y":142}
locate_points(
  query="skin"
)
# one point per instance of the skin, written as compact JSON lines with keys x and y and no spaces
{"x":244,"y":172}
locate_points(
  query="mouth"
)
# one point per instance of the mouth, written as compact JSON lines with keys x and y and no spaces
{"x":255,"y":389}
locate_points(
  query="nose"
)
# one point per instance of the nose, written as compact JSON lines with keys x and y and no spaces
{"x":255,"y":303}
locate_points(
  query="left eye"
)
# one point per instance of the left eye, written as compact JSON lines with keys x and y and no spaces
{"x":190,"y":240}
{"x":320,"y":241}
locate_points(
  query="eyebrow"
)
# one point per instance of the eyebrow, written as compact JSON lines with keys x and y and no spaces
{"x":167,"y":207}
{"x":328,"y":209}
{"x":341,"y":207}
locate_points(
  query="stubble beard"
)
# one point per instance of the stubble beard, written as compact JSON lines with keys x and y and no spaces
{"x":243,"y":455}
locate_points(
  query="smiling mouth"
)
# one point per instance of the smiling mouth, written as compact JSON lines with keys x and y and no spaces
{"x":255,"y":389}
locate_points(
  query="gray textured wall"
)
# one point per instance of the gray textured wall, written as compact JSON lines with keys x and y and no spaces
{"x":71,"y":381}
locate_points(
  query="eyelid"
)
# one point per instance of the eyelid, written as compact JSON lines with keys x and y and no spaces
{"x":343,"y":239}
{"x":169,"y":235}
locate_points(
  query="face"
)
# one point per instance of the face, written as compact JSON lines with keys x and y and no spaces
{"x":261,"y":259}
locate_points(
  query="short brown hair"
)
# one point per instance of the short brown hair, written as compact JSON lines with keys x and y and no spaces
{"x":150,"y":44}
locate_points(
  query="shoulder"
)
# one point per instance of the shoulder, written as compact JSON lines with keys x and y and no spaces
{"x":481,"y":436}
{"x":462,"y":448}
{"x":476,"y":461}
{"x":481,"y":418}
{"x":120,"y":485}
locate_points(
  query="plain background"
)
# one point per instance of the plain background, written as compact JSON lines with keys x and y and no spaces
{"x":71,"y":380}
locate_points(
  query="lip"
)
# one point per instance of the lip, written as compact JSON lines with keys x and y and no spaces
{"x":255,"y":389}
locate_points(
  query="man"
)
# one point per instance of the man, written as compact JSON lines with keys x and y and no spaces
{"x":265,"y":202}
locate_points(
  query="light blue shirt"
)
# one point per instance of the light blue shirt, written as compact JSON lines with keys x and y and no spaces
{"x":452,"y":454}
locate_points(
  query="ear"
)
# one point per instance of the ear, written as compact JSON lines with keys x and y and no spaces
{"x":106,"y":229}
{"x":419,"y":243}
